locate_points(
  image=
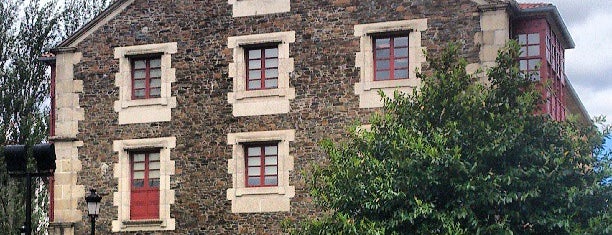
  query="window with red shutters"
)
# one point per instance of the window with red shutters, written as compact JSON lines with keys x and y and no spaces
{"x":530,"y":58}
{"x":146,"y":78}
{"x":262,"y":68}
{"x":390,"y":57}
{"x":261,"y":165}
{"x":144,"y":200}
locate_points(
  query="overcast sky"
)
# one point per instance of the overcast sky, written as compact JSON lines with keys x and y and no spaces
{"x":589,"y":65}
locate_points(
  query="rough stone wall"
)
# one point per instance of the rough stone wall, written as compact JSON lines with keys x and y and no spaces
{"x":324,"y":106}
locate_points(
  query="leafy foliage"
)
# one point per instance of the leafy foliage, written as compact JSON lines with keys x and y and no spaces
{"x":28,"y":29}
{"x":463,"y":156}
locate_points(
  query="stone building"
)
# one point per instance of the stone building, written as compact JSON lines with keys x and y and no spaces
{"x":198,"y":117}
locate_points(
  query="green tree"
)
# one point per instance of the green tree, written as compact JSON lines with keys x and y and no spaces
{"x":27,"y":31}
{"x":76,"y":13}
{"x":462,"y":156}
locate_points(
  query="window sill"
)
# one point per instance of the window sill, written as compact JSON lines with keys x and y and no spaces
{"x":279,"y":92}
{"x":260,"y":191}
{"x":261,"y":102}
{"x":141,"y":223}
{"x":145,"y":110}
{"x":410,"y":82}
{"x":144,"y":102}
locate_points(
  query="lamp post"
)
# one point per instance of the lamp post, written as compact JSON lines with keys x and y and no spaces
{"x":93,"y":208}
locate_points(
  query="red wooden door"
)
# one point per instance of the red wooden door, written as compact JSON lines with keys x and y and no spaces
{"x":144,"y":203}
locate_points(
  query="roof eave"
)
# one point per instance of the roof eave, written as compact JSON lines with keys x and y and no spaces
{"x":553,"y":16}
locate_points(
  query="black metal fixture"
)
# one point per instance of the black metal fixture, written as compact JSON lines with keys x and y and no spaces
{"x":93,"y":208}
{"x":16,"y":157}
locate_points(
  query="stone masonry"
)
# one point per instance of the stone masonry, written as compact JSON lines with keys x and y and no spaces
{"x":325,"y":103}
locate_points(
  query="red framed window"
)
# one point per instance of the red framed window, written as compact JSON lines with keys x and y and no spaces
{"x":262,"y":68}
{"x":144,"y":168}
{"x":146,"y":78}
{"x":390,"y":57}
{"x":261,"y":165}
{"x":530,"y":57}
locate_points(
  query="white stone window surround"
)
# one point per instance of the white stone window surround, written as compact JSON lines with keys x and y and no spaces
{"x":266,"y":101}
{"x":260,"y":199}
{"x":145,"y":110}
{"x":367,"y":88}
{"x":258,"y":7}
{"x":121,"y":198}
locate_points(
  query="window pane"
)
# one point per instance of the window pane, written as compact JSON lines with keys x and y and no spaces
{"x":533,"y":64}
{"x":400,"y":42}
{"x":401,"y":63}
{"x":272,"y":52}
{"x":254,"y":54}
{"x":254,"y":161}
{"x":139,"y":84}
{"x":153,"y":157}
{"x":382,"y":64}
{"x":154,"y":183}
{"x":271,"y":73}
{"x":138,"y":183}
{"x":534,"y":51}
{"x":402,"y":73}
{"x":156,"y":92}
{"x":271,"y":63}
{"x":156,"y":63}
{"x":139,"y":166}
{"x":254,"y":74}
{"x":382,"y":53}
{"x":155,"y":73}
{"x":139,"y":74}
{"x":271,"y":83}
{"x":156,"y":82}
{"x":154,"y":165}
{"x":271,"y":180}
{"x":271,"y":170}
{"x":140,"y":64}
{"x":253,"y":171}
{"x":254,"y":64}
{"x":523,"y":65}
{"x":382,"y":43}
{"x":522,"y":38}
{"x":534,"y":38}
{"x":154,"y":174}
{"x":255,"y":84}
{"x":254,"y":151}
{"x":382,"y":75}
{"x":140,"y":157}
{"x":271,"y":150}
{"x":523,"y":52}
{"x":401,"y":52}
{"x":138,"y":175}
{"x":254,"y":181}
{"x":139,"y":93}
{"x":271,"y":160}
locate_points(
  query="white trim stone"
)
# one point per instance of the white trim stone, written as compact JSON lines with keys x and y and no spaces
{"x":145,"y":110}
{"x":267,"y":101}
{"x":258,"y":7}
{"x":260,"y":199}
{"x":367,"y":88}
{"x":67,"y":192}
{"x":121,"y":198}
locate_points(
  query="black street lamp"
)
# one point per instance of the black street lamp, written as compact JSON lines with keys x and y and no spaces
{"x":93,"y":208}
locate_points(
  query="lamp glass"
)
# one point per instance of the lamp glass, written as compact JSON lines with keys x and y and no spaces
{"x":93,"y":208}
